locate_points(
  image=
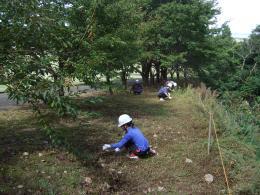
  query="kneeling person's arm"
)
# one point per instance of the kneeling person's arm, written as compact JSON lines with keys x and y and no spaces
{"x":122,"y":142}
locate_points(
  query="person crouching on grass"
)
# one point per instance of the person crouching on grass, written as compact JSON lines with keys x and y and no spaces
{"x":164,"y":92}
{"x":134,"y":140}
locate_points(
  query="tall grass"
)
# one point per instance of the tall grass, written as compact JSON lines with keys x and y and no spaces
{"x":238,"y":129}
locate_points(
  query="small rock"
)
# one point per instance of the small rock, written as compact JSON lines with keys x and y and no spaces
{"x":20,"y":186}
{"x":40,"y":154}
{"x":102,"y":165}
{"x":43,"y":172}
{"x":49,"y":177}
{"x":88,"y":180}
{"x":160,"y":189}
{"x":43,"y":160}
{"x":65,"y":172}
{"x":209,"y":178}
{"x":155,"y":136}
{"x":179,"y":132}
{"x":120,"y":172}
{"x":188,"y":160}
{"x":26,"y":153}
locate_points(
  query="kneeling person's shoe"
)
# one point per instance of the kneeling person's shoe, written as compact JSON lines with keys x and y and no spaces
{"x":132,"y":156}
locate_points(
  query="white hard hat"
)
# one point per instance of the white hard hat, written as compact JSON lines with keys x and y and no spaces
{"x":169,"y":85}
{"x":124,"y":119}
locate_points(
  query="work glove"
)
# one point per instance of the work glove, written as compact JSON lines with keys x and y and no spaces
{"x":117,"y":150}
{"x":106,"y":146}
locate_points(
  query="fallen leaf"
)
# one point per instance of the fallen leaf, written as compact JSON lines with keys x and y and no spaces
{"x":188,"y":160}
{"x":209,"y":178}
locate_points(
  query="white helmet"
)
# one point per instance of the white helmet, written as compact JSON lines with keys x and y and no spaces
{"x":123,"y":119}
{"x":169,"y":85}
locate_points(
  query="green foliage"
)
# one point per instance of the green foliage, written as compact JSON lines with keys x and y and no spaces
{"x":234,"y":68}
{"x":114,"y":46}
{"x":45,"y":43}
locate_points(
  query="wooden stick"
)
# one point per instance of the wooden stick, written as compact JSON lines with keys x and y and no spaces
{"x":209,"y":138}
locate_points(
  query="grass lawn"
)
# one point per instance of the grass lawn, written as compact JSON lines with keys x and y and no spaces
{"x":177,"y":129}
{"x":2,"y":88}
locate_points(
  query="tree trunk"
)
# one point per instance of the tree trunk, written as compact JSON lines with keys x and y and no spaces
{"x":177,"y":72}
{"x":109,"y":84}
{"x":164,"y":73}
{"x":61,"y":66}
{"x":185,"y":74}
{"x":151,"y":77}
{"x":146,"y":67}
{"x":124,"y":79}
{"x":157,"y":69}
{"x":171,"y":75}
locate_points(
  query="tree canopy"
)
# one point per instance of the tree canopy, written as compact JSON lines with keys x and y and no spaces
{"x":46,"y":43}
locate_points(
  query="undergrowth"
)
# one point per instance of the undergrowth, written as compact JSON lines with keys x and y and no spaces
{"x":238,"y":128}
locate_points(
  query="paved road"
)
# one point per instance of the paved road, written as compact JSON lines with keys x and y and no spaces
{"x":6,"y":104}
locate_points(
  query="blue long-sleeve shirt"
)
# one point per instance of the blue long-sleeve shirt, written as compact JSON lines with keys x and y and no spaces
{"x":136,"y":137}
{"x":163,"y":90}
{"x":137,"y":87}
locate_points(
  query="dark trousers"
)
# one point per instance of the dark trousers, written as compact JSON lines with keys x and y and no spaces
{"x":162,"y":95}
{"x":133,"y":149}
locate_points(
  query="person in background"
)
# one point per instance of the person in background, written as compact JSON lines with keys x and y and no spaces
{"x":164,"y":92}
{"x":137,"y":88}
{"x":134,"y":140}
{"x":172,"y":84}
